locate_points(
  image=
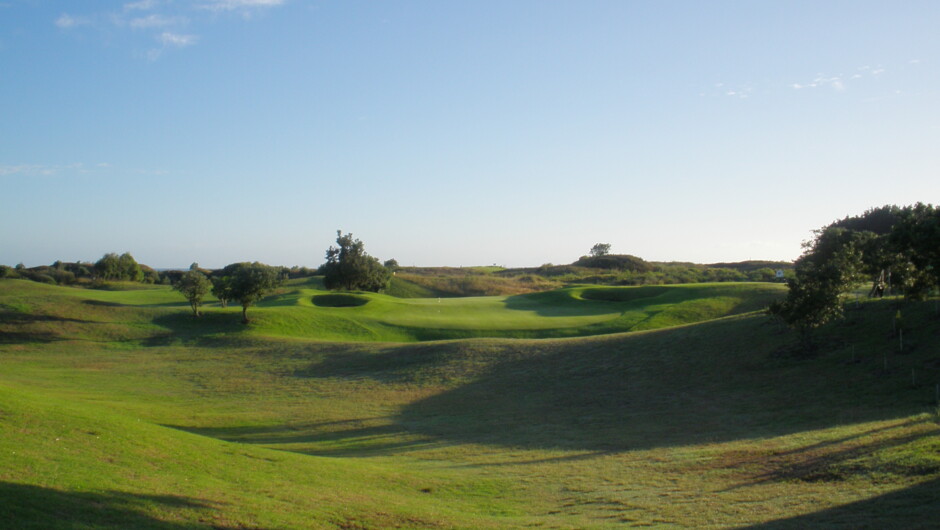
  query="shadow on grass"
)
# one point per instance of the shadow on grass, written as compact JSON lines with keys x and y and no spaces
{"x":13,"y":317}
{"x":840,"y":459}
{"x":347,"y":438}
{"x":420,"y":362}
{"x":186,"y":328}
{"x":32,"y":327}
{"x":713,"y":382}
{"x":912,"y":507}
{"x":562,"y":304}
{"x":100,"y":303}
{"x":26,"y":506}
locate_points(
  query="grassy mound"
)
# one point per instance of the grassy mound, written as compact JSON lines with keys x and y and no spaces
{"x":302,"y":310}
{"x":118,"y":409}
{"x":68,"y":465}
{"x":568,"y":312}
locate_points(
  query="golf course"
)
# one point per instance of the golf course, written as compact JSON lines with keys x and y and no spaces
{"x":584,"y":406}
{"x":308,"y":264}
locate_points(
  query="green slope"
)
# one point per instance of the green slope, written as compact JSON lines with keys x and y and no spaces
{"x":302,"y":310}
{"x":167,"y":421}
{"x":68,"y":465}
{"x":569,"y":312}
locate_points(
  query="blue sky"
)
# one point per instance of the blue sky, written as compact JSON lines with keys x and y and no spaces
{"x":457,"y":133}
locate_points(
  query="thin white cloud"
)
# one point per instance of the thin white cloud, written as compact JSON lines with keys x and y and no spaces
{"x":728,"y":90}
{"x":162,"y":20}
{"x":17,"y":169}
{"x":36,"y":169}
{"x":821,"y":80}
{"x":142,"y":5}
{"x":75,"y":168}
{"x":177,"y":40}
{"x":230,"y":5}
{"x":68,"y":21}
{"x":156,"y":21}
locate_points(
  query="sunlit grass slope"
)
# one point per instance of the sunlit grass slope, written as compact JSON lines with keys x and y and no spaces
{"x":715,"y":424}
{"x":306,"y":312}
{"x":69,"y":465}
{"x":301,"y":309}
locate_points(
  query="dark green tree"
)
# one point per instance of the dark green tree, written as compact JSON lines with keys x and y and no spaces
{"x":891,"y":246}
{"x":250,"y":282}
{"x":194,"y":285}
{"x":108,"y":267}
{"x":917,"y":235}
{"x":830,"y":265}
{"x":118,"y":268}
{"x":349,"y":267}
{"x":129,"y":268}
{"x":222,"y":288}
{"x":600,"y":249}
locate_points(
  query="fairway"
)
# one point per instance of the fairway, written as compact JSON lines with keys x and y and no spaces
{"x":302,"y":310}
{"x":567,"y":312}
{"x":121,"y":409}
{"x":300,"y":264}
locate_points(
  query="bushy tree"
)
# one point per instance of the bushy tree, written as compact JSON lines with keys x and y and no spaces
{"x":831,"y":264}
{"x":917,"y":234}
{"x":900,"y":246}
{"x":130,"y":269}
{"x":222,"y":287}
{"x":349,"y":267}
{"x":249,"y":282}
{"x":107,"y":267}
{"x":600,"y":249}
{"x":120,"y":268}
{"x":194,"y":285}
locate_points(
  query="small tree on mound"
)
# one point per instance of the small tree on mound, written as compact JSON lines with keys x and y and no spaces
{"x":249,"y":283}
{"x":600,"y":249}
{"x":349,"y":267}
{"x":194,"y":286}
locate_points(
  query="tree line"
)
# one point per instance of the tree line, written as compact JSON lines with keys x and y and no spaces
{"x":893,"y":249}
{"x":347,"y":266}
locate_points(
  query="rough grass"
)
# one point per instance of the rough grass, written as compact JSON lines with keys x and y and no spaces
{"x":402,"y":288}
{"x":115,"y":414}
{"x":475,"y":281}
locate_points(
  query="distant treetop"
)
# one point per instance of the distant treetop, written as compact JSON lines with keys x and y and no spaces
{"x":600,"y":249}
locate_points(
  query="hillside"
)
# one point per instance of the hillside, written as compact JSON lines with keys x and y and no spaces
{"x":301,"y":309}
{"x":120,"y":412}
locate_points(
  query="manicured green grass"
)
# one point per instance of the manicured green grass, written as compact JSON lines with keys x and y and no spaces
{"x":117,"y":409}
{"x":568,"y":312}
{"x":301,"y":309}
